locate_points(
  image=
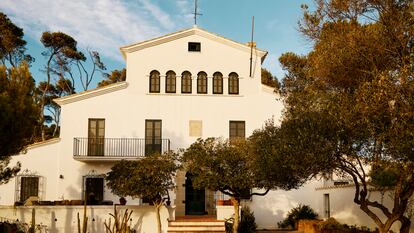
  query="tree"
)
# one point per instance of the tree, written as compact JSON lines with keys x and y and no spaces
{"x":150,"y":177}
{"x":114,"y":77}
{"x":62,"y":87}
{"x":269,"y":80}
{"x":236,"y":167}
{"x":353,"y":96}
{"x":84,"y":75}
{"x":12,"y":44}
{"x":60,"y":51}
{"x":65,"y":64}
{"x":18,"y":115}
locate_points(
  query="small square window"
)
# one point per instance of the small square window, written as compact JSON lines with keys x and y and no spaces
{"x":194,"y":46}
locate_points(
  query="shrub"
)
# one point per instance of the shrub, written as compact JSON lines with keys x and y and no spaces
{"x":333,"y":226}
{"x":295,"y":214}
{"x":247,"y":222}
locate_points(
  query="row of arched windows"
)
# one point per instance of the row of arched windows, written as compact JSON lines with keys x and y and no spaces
{"x":186,"y":82}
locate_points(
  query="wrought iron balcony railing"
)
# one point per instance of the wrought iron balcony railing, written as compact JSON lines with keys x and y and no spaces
{"x":118,"y":147}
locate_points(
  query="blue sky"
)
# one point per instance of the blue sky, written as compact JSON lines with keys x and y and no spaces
{"x":106,"y":25}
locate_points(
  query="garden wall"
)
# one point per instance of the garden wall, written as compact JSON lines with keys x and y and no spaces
{"x":63,"y":219}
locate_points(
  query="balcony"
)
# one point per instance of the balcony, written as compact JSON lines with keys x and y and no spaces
{"x":115,"y":149}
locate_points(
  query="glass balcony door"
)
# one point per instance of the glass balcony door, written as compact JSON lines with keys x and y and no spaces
{"x":152,"y":136}
{"x":96,"y":137}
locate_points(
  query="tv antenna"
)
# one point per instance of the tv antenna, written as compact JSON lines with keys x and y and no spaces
{"x":251,"y":47}
{"x":195,"y":12}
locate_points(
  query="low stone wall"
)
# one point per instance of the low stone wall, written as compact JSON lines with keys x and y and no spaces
{"x":63,"y":219}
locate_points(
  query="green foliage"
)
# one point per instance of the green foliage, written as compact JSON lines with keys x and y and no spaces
{"x":350,"y":101}
{"x":220,"y":165}
{"x":238,"y":165}
{"x":295,"y":214}
{"x":60,"y":45}
{"x":268,"y":79}
{"x":149,"y":177}
{"x":12,"y":44}
{"x":384,"y":175}
{"x":247,"y":221}
{"x":18,"y":115}
{"x":114,"y":77}
{"x":332,"y":226}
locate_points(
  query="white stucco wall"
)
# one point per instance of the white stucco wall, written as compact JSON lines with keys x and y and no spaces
{"x":39,"y":159}
{"x":59,"y":219}
{"x":126,"y":109}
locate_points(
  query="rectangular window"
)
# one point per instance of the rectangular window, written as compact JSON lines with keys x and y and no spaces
{"x":237,"y":129}
{"x":327,"y":205}
{"x":152,"y":136}
{"x":96,"y":137}
{"x":194,"y":46}
{"x":94,"y":188}
{"x":29,"y":187}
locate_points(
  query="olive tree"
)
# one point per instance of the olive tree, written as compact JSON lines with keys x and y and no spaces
{"x":238,"y":166}
{"x":150,"y":177}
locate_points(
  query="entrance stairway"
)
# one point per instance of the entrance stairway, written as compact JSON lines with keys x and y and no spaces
{"x":196,"y":224}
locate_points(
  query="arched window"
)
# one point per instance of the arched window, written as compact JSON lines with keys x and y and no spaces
{"x":170,"y":82}
{"x":217,"y":83}
{"x":186,"y":82}
{"x":202,"y":82}
{"x":233,"y":83}
{"x":154,"y":82}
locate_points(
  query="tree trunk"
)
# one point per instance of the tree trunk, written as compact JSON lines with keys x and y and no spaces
{"x":157,"y":210}
{"x":405,"y":225}
{"x":236,"y":205}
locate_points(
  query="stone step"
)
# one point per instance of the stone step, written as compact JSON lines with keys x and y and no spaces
{"x":196,"y":226}
{"x":196,"y":223}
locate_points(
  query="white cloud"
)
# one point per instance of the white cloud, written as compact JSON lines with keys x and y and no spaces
{"x":161,"y":16}
{"x":104,"y":25}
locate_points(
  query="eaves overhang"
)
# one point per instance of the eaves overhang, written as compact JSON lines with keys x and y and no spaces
{"x":91,"y":93}
{"x":188,"y":32}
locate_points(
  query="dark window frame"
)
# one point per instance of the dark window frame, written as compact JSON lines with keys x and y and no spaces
{"x":154,"y":142}
{"x":186,"y":83}
{"x":238,"y":128}
{"x":170,"y":82}
{"x":194,"y":46}
{"x":96,"y":143}
{"x":202,"y":83}
{"x":28,"y":191}
{"x":217,"y":83}
{"x":154,"y":82}
{"x":98,"y":197}
{"x":233,"y":83}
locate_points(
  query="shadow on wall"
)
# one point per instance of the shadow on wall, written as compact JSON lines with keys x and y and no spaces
{"x":271,"y":208}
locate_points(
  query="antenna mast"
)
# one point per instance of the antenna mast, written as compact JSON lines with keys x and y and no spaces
{"x":251,"y":47}
{"x":195,"y":12}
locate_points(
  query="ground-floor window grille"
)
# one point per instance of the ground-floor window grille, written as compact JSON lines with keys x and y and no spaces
{"x":93,"y":188}
{"x":29,"y":184}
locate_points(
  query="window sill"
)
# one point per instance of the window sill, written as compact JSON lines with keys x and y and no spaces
{"x":189,"y":94}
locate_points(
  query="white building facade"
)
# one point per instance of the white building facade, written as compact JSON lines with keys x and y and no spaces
{"x":179,"y":87}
